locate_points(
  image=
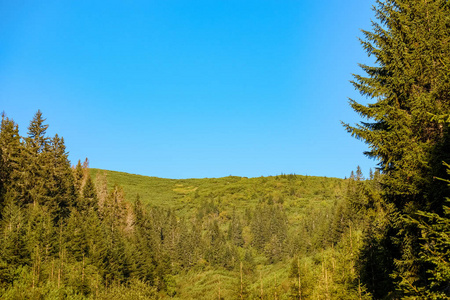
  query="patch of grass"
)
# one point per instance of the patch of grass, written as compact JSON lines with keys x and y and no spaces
{"x":217,"y":199}
{"x":295,"y":192}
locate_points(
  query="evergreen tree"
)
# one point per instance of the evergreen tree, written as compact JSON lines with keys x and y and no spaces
{"x":409,"y":85}
{"x":61,"y":189}
{"x":13,"y":244}
{"x":435,"y":230}
{"x":10,"y":161}
{"x":235,"y":230}
{"x":36,"y":163}
{"x":89,"y":195}
{"x":37,"y":141}
{"x":144,"y":240}
{"x":78,"y":174}
{"x":217,"y":244}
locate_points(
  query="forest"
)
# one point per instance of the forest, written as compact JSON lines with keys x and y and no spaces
{"x":72,"y":232}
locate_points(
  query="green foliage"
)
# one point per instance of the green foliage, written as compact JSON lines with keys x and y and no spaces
{"x":80,"y":233}
{"x":66,"y":234}
{"x":10,"y":162}
{"x":406,"y":132}
{"x":435,"y":234}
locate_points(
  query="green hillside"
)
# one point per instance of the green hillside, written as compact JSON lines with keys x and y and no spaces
{"x":69,"y":232}
{"x":316,"y":220}
{"x":295,"y":192}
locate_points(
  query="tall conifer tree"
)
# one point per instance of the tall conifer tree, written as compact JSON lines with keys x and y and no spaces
{"x":408,"y":85}
{"x":35,"y":160}
{"x":60,"y":184}
{"x":10,"y":159}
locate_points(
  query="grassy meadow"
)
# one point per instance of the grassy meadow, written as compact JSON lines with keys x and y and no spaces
{"x":309,"y":203}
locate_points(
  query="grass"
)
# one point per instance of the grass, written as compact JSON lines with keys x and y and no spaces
{"x":301,"y":197}
{"x":296,"y":192}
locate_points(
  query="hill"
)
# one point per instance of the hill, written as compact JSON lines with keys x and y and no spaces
{"x":296,"y":192}
{"x":287,"y":223}
{"x":76,"y":233}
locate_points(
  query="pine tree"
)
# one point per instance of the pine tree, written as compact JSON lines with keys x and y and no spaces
{"x":46,"y":174}
{"x":36,"y":163}
{"x":235,"y":230}
{"x":11,"y":150}
{"x":89,"y":195}
{"x":13,"y":244}
{"x":60,"y":182}
{"x":78,"y":174}
{"x":435,"y":233}
{"x":409,"y":84}
{"x":37,"y":140}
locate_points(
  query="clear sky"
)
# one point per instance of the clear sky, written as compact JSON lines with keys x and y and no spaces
{"x":192,"y":88}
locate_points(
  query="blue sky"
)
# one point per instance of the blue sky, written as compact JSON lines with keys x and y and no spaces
{"x":184,"y":89}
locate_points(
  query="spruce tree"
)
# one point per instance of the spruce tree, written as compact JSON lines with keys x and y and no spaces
{"x":47,"y":177}
{"x":78,"y":174}
{"x":13,"y":243}
{"x":235,"y":230}
{"x":409,"y":84}
{"x":10,"y":161}
{"x":37,"y":139}
{"x":61,"y":189}
{"x":435,"y":230}
{"x":89,"y":195}
{"x":36,"y":162}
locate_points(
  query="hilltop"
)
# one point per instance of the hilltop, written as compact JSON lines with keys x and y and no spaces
{"x":280,"y":221}
{"x":73,"y":232}
{"x":295,"y":192}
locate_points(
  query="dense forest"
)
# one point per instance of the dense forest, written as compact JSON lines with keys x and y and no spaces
{"x":75,"y":232}
{"x":68,"y":231}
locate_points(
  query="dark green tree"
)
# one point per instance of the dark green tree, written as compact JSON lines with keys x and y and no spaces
{"x":36,"y":163}
{"x":78,"y":174}
{"x":435,"y":234}
{"x":408,"y":85}
{"x":13,"y":244}
{"x":216,"y":251}
{"x":235,"y":230}
{"x":144,"y":241}
{"x":60,"y":182}
{"x":11,"y":150}
{"x":46,"y":177}
{"x":89,"y":198}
